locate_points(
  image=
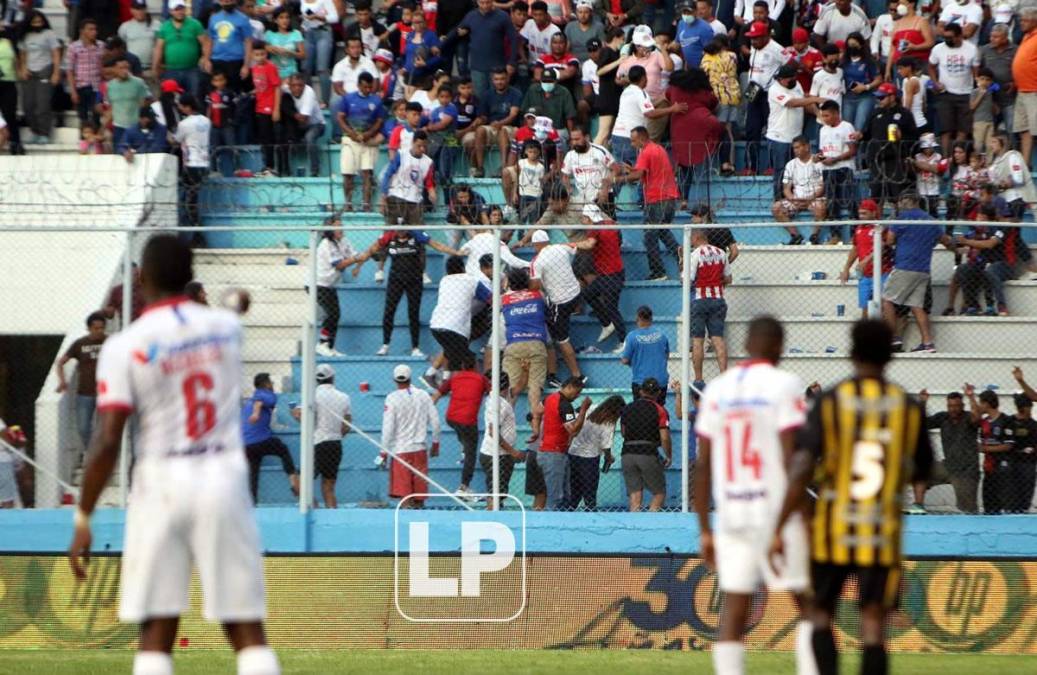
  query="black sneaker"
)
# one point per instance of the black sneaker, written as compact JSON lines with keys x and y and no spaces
{"x":795,"y":240}
{"x":554,"y":382}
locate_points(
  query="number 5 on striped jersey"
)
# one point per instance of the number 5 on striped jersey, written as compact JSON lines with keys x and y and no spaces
{"x":868,"y":470}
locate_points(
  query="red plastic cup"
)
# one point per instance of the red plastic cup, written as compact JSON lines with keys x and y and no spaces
{"x":365,"y":387}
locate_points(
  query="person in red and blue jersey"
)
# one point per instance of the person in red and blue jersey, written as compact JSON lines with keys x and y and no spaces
{"x":525,"y":333}
{"x":710,"y":273}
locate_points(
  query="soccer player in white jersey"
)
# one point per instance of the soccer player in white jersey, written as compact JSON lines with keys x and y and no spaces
{"x":746,"y":428}
{"x":177,"y":368}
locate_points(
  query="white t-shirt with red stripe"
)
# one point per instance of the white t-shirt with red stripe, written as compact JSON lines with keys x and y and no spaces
{"x":709,"y":266}
{"x":743,"y":413}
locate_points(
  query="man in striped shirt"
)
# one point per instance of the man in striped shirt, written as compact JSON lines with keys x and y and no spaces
{"x":710,"y":272}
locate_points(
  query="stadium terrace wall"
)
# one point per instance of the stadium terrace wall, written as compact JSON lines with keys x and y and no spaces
{"x":590,"y":581}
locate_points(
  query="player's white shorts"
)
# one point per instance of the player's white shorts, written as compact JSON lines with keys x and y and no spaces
{"x":742,"y":560}
{"x":202,"y":516}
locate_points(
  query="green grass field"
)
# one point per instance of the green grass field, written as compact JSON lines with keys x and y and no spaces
{"x":499,"y":662}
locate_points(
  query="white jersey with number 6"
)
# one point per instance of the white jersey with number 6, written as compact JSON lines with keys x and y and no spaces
{"x":178,"y":369}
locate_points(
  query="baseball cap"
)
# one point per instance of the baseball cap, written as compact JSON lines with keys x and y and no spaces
{"x":549,"y":75}
{"x":139,"y":4}
{"x":650,"y":386}
{"x":171,"y":87}
{"x":786,"y":71}
{"x":584,"y":3}
{"x":401,"y":373}
{"x":868,"y":204}
{"x":325,"y":372}
{"x":885,"y":89}
{"x":176,"y":4}
{"x":928,"y":140}
{"x":541,"y":237}
{"x":593,"y":45}
{"x":758,"y":29}
{"x":532,"y":112}
{"x":1022,"y":401}
{"x":594,"y":213}
{"x":383,"y":55}
{"x":643,"y":39}
{"x":800,"y":35}
{"x":684,"y":4}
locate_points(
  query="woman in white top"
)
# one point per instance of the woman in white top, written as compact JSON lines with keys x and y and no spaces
{"x":334,"y":254}
{"x":594,"y":439}
{"x":505,"y":441}
{"x":914,"y":91}
{"x":318,"y":16}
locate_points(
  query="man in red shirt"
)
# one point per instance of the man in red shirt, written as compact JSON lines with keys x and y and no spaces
{"x":267,"y":88}
{"x":605,"y":284}
{"x":466,"y":389}
{"x":560,"y":425}
{"x":561,"y":60}
{"x":861,"y":253}
{"x":660,"y":192}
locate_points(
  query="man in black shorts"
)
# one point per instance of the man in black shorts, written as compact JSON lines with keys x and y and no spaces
{"x":551,"y":271}
{"x":333,"y":422}
{"x":260,"y":441}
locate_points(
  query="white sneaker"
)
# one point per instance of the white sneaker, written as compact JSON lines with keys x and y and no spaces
{"x":379,"y":276}
{"x":382,"y":351}
{"x":606,"y":332}
{"x":426,"y":279}
{"x":417,"y":353}
{"x":619,"y":348}
{"x":325,"y":350}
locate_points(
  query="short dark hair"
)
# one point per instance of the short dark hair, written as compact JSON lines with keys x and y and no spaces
{"x":518,"y":279}
{"x":830,"y":105}
{"x":445,"y":88}
{"x":557,"y":190}
{"x":987,"y":396}
{"x":573,"y":381}
{"x":762,"y":3}
{"x":188,"y":101}
{"x":167,"y":263}
{"x":465,"y":80}
{"x":953,"y":28}
{"x":985,"y":72}
{"x":829,"y":50}
{"x":420,"y":135}
{"x":955,"y":395}
{"x":801,"y":139}
{"x":908,"y":62}
{"x":414,"y":106}
{"x":87,"y":22}
{"x":455,"y":265}
{"x":636,"y":74}
{"x":194,"y":290}
{"x":539,"y":4}
{"x":521,"y":5}
{"x":260,"y":379}
{"x":872,"y":342}
{"x":486,"y":260}
{"x":258,"y":44}
{"x":365,"y":76}
{"x":644,"y":312}
{"x":640,"y":130}
{"x":95,"y":316}
{"x":500,"y":70}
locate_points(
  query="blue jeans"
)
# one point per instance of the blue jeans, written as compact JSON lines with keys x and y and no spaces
{"x":190,"y":79}
{"x":780,"y":154}
{"x":481,"y":83}
{"x":555,"y":466}
{"x":85,"y":407}
{"x":444,"y":157}
{"x":319,"y":45}
{"x":222,"y":151}
{"x":840,"y":194}
{"x":997,"y":274}
{"x":857,"y":109}
{"x":622,"y":150}
{"x":583,"y":482}
{"x":313,"y":148}
{"x":693,"y":182}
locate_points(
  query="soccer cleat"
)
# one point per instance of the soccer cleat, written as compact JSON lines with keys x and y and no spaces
{"x":417,"y":353}
{"x":554,"y":382}
{"x":382,"y":351}
{"x":426,"y":279}
{"x":606,"y":332}
{"x":379,"y":276}
{"x":915,"y":509}
{"x":926,"y":347}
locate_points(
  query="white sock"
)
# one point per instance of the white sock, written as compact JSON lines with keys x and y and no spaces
{"x":152,"y":663}
{"x":259,"y":660}
{"x":805,"y":663}
{"x":729,"y":658}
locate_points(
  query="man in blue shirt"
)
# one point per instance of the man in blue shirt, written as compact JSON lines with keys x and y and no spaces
{"x":230,"y":45}
{"x":360,"y":116}
{"x":692,"y":34}
{"x":259,"y":438}
{"x":490,"y":34}
{"x":147,"y":136}
{"x":442,"y":135}
{"x":525,"y":333}
{"x":912,"y":262}
{"x":647,"y":351}
{"x":501,"y":105}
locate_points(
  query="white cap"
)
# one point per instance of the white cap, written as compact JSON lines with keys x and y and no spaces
{"x":176,"y":4}
{"x":584,"y":3}
{"x":325,"y":372}
{"x":1002,"y":13}
{"x":401,"y":373}
{"x":928,"y":140}
{"x":541,"y":237}
{"x":544,"y":124}
{"x":592,"y":212}
{"x":643,"y":37}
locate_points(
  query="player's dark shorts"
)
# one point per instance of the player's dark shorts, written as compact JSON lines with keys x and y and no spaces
{"x":583,"y":264}
{"x":558,"y":319}
{"x":708,"y":315}
{"x":535,"y":484}
{"x":326,"y":459}
{"x":455,"y":347}
{"x":876,"y":584}
{"x":482,"y":322}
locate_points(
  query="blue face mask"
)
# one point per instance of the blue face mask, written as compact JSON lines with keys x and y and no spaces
{"x":548,"y":86}
{"x":688,"y":18}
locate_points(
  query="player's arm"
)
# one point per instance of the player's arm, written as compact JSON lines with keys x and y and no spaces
{"x":851,"y":258}
{"x":667,"y":442}
{"x":970,"y":394}
{"x":347,"y":423}
{"x":99,"y":467}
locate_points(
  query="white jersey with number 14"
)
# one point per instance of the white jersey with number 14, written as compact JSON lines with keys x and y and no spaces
{"x":743,"y":413}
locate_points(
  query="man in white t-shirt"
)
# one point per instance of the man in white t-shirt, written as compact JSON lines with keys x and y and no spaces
{"x":785,"y":104}
{"x":306,"y":124}
{"x":827,"y":83}
{"x":952,"y":69}
{"x":587,"y":170}
{"x":882,"y":33}
{"x":765,"y":58}
{"x":803,"y":187}
{"x":538,"y":31}
{"x":746,"y":425}
{"x":635,"y":109}
{"x":333,"y":421}
{"x":506,"y":440}
{"x":345,"y":73}
{"x":409,"y":417}
{"x":458,"y":295}
{"x":840,"y":18}
{"x":551,"y":271}
{"x":178,"y":370}
{"x":966,"y":13}
{"x":836,"y":151}
{"x":193,"y":133}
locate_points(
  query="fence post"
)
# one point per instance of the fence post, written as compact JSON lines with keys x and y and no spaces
{"x":875,"y":312}
{"x":684,"y":344}
{"x":309,"y":409}
{"x":127,"y":318}
{"x":495,"y":361}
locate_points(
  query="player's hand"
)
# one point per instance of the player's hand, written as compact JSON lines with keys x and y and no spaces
{"x":252,"y":419}
{"x":79,"y":550}
{"x":435,"y":450}
{"x":776,"y":555}
{"x":709,"y":555}
{"x":1017,"y":373}
{"x":970,"y":390}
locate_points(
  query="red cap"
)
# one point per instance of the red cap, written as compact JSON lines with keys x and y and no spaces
{"x":800,"y":35}
{"x":841,"y":44}
{"x":758,"y":29}
{"x":885,"y":89}
{"x":171,"y":87}
{"x":867,"y":205}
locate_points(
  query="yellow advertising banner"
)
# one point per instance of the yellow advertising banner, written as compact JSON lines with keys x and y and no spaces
{"x":565,"y":603}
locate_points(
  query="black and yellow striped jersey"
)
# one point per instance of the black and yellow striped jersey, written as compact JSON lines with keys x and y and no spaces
{"x":869,"y":438}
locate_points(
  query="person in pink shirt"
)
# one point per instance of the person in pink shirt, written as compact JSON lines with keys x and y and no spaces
{"x":655,"y":60}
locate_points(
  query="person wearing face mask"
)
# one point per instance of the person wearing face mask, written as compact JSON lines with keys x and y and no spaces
{"x":861,"y":77}
{"x":147,"y":136}
{"x":552,"y":101}
{"x":839,"y":19}
{"x":692,"y":34}
{"x":952,"y":68}
{"x":828,"y":82}
{"x":651,"y":54}
{"x":912,"y":36}
{"x":966,"y":13}
{"x":39,"y":71}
